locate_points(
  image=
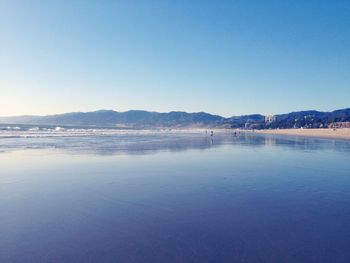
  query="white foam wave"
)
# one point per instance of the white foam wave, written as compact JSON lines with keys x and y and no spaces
{"x":64,"y":132}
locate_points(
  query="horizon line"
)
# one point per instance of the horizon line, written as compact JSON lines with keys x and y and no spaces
{"x":153,"y":111}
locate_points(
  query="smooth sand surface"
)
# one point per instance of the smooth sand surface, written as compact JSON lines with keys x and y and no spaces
{"x":343,"y":133}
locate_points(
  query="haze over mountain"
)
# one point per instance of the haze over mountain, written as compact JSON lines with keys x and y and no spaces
{"x":178,"y":119}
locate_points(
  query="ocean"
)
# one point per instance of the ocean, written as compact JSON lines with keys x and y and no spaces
{"x":141,"y":196}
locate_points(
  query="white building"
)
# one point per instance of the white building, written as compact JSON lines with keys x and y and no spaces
{"x":270,"y":118}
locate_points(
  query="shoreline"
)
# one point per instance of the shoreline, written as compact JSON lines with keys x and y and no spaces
{"x":326,"y":133}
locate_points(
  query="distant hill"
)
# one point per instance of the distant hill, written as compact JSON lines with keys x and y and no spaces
{"x":178,"y":119}
{"x":133,"y":118}
{"x":310,"y":119}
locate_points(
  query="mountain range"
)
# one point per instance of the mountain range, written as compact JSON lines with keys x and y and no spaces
{"x":178,"y":119}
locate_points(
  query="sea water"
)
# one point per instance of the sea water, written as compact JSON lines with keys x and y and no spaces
{"x":170,"y":197}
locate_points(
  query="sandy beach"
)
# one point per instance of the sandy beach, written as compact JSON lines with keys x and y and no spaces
{"x":343,"y":133}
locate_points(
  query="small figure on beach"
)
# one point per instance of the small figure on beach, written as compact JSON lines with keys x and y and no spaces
{"x":211,"y":133}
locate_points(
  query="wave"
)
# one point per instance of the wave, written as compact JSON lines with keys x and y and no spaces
{"x":37,"y":132}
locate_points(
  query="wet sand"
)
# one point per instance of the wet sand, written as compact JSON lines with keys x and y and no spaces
{"x":343,"y":133}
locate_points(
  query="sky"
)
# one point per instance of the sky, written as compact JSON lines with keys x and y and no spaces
{"x":223,"y":57}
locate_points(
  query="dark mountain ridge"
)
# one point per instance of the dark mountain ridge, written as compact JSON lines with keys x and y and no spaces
{"x":179,"y":119}
{"x":132,"y":118}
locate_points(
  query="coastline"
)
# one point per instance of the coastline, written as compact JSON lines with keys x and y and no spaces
{"x":328,"y":133}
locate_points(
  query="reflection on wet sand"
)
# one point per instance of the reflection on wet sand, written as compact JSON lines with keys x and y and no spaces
{"x":255,"y":197}
{"x":149,"y":143}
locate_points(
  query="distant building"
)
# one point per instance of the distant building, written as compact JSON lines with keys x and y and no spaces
{"x":270,"y":118}
{"x":345,"y":124}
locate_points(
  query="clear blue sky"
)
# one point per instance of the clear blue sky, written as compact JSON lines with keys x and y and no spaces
{"x":224,"y":57}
